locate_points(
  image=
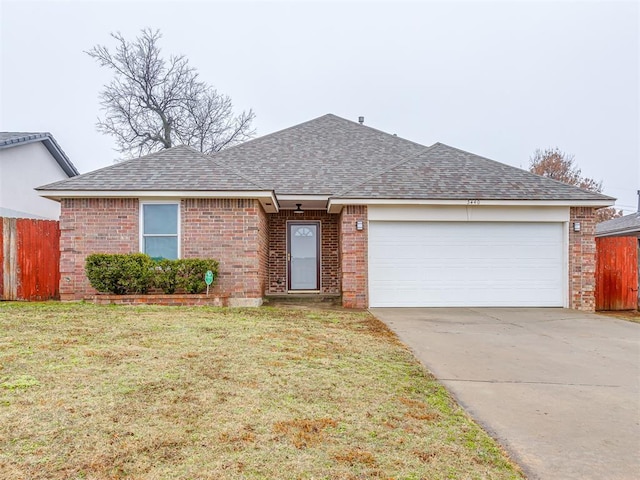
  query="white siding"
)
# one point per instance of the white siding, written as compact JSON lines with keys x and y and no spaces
{"x":22,"y":168}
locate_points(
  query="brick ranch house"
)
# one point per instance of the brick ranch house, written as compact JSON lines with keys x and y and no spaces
{"x":334,"y":207}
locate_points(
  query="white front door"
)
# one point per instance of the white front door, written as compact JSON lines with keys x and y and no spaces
{"x":303,"y":254}
{"x":447,"y":264}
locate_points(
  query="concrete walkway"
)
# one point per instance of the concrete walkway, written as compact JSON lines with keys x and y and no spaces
{"x":558,"y":388}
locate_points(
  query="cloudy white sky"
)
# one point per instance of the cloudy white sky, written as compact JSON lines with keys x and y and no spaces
{"x":499,"y":79}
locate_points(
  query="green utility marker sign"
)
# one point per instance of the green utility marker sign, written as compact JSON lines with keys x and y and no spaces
{"x":208,"y":279}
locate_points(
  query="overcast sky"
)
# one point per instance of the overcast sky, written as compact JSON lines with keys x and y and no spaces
{"x":499,"y":79}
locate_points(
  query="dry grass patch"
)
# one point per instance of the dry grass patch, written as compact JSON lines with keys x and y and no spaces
{"x":629,"y":315}
{"x":304,"y":433}
{"x":96,"y":392}
{"x":356,"y":456}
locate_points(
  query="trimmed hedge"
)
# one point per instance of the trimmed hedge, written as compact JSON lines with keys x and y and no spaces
{"x":184,"y":274}
{"x":136,"y":273}
{"x":120,"y":274}
{"x":190,"y":273}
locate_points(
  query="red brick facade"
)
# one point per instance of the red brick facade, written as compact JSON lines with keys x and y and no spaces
{"x":251,"y":246}
{"x":354,"y":257}
{"x":582,"y":259}
{"x":329,"y":255}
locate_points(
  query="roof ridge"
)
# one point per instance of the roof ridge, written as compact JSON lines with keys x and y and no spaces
{"x":383,"y":171}
{"x":523,"y":170}
{"x":269,"y":134}
{"x":392,"y":135}
{"x":326,"y":115}
{"x":210,"y":158}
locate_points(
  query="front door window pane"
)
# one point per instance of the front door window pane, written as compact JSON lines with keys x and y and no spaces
{"x":304,"y":257}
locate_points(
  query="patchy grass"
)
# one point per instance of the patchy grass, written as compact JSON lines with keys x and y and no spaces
{"x":89,"y":392}
{"x":629,"y":315}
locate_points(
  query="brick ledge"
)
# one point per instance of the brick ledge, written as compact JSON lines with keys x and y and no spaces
{"x":160,"y":299}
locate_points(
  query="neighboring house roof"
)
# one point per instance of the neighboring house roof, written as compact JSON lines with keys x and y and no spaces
{"x":13,"y":139}
{"x":629,"y":225}
{"x":334,"y":157}
{"x":10,"y":213}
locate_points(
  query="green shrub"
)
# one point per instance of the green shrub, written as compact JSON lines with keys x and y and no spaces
{"x":165,"y":275}
{"x":190,"y":273}
{"x":120,"y":273}
{"x":136,"y":272}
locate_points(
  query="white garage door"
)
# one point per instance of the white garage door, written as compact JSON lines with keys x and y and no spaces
{"x":444,"y":264}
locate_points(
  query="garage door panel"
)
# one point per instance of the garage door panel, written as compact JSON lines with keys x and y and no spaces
{"x":465,"y":264}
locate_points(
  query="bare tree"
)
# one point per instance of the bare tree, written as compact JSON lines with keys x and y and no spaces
{"x":154,"y":103}
{"x":556,"y":164}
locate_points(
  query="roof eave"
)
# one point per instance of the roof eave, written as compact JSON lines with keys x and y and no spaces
{"x":624,"y":232}
{"x":56,"y":152}
{"x":336,"y":204}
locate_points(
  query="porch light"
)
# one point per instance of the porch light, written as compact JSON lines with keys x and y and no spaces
{"x":576,"y":226}
{"x":298,"y":208}
{"x":359,"y":225}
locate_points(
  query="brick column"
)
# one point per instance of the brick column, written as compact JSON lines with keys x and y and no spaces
{"x":582,"y":259}
{"x":354,"y":257}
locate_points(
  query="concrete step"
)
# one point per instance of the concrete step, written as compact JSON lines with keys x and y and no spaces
{"x":303,"y":299}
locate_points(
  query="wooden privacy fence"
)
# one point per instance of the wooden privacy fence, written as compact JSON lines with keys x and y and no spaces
{"x":616,"y":273}
{"x":29,"y":259}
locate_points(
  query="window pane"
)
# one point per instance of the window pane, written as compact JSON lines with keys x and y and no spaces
{"x":161,"y":247}
{"x":160,"y":219}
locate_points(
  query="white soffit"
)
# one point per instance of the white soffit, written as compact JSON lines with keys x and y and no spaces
{"x":267,"y":198}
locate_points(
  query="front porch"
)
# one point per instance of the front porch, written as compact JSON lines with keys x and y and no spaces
{"x":316,"y":253}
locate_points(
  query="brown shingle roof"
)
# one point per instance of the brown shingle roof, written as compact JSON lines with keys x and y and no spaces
{"x":444,"y":172}
{"x":178,"y":168}
{"x":335,"y":157}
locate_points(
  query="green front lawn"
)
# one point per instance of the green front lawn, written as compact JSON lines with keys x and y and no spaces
{"x":90,"y":392}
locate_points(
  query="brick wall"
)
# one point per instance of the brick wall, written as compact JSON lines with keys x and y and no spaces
{"x":330,"y":270}
{"x":233,"y":231}
{"x":93,"y":225}
{"x":354,"y":257}
{"x":582,"y":259}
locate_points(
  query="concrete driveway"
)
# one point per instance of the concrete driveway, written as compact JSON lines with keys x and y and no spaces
{"x":558,"y":388}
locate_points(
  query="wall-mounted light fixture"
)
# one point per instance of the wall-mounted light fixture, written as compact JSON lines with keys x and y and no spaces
{"x":298,"y":208}
{"x":576,"y":226}
{"x":359,"y":225}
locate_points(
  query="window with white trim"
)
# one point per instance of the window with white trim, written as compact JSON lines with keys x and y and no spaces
{"x":159,"y":227}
